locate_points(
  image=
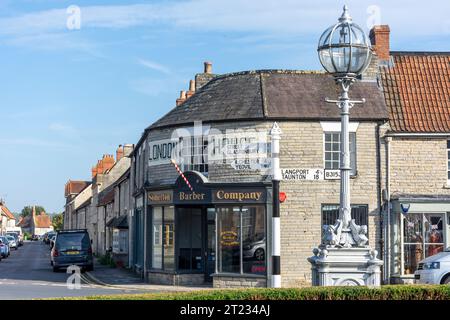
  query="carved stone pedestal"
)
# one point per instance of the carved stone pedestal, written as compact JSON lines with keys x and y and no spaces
{"x":354,"y":266}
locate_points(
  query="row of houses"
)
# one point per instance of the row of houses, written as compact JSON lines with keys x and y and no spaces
{"x":213,"y":223}
{"x":7,"y":219}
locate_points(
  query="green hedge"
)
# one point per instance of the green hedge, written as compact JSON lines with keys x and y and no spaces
{"x":391,"y":292}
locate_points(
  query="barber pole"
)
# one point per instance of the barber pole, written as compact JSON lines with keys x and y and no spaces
{"x":181,"y":174}
{"x":275,"y":134}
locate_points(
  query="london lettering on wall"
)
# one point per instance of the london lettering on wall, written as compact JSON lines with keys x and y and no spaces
{"x":161,"y":151}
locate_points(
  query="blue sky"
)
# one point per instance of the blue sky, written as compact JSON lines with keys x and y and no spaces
{"x":67,"y":96}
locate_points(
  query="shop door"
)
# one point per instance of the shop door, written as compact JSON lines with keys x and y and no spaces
{"x":210,"y":252}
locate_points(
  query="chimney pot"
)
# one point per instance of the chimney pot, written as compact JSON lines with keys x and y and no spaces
{"x":119,"y":152}
{"x":182,"y":98}
{"x":192,"y":85}
{"x":208,"y":67}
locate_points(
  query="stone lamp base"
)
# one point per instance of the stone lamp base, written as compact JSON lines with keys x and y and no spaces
{"x":354,"y":266}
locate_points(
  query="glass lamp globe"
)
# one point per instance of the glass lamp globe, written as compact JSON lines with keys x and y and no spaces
{"x":344,"y":49}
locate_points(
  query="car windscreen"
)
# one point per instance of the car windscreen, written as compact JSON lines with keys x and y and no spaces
{"x":72,"y":241}
{"x":10,"y":238}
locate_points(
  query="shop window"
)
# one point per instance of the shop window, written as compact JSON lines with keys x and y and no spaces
{"x":422,"y":237}
{"x":163,"y":226}
{"x":359,"y":212}
{"x":229,"y":239}
{"x":157,"y":220}
{"x":242,"y":239}
{"x":169,"y":238}
{"x":333,"y":151}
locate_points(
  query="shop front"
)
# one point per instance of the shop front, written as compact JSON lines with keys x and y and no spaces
{"x":207,"y":232}
{"x":420,"y":229}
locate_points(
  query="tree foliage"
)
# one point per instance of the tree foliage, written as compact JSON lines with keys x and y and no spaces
{"x":57,"y":221}
{"x":28,"y":210}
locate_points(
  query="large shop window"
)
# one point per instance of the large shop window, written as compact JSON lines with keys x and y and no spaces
{"x":423,"y":236}
{"x":333,"y":151}
{"x":163,"y":253}
{"x":241,"y":240}
{"x":359,"y":212}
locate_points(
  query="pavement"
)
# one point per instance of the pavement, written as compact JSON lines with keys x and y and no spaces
{"x":27,"y":274}
{"x":122,"y":278}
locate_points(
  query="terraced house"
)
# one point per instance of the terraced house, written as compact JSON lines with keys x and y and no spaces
{"x":416,"y":156}
{"x":213,"y":225}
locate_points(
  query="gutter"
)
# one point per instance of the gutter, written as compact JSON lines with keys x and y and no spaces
{"x":433,"y":135}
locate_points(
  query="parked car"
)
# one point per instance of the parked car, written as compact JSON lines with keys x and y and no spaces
{"x":72,"y":247}
{"x":12,"y":242}
{"x":255,"y":250}
{"x":16,"y":236}
{"x":47,"y":236}
{"x":4,"y":248}
{"x":52,"y":240}
{"x":434,"y":269}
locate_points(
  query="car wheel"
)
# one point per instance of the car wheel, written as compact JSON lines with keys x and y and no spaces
{"x":90,"y":267}
{"x":446,"y":280}
{"x":259,"y":254}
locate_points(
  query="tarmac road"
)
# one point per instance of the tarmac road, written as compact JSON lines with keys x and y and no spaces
{"x":27,"y":274}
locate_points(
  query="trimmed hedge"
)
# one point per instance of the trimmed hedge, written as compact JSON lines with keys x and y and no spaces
{"x":388,"y":292}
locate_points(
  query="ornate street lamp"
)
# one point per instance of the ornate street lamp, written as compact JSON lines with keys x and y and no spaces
{"x":344,"y":257}
{"x":344,"y":51}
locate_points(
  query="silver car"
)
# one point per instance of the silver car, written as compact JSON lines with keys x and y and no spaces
{"x":4,"y":247}
{"x":12,"y":242}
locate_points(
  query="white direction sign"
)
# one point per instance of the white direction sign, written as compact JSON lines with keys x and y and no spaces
{"x":302,"y":174}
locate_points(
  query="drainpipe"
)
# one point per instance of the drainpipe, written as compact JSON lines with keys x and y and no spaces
{"x":275,"y":134}
{"x":388,"y":210}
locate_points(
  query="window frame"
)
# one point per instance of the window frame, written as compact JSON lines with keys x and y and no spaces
{"x":353,"y":154}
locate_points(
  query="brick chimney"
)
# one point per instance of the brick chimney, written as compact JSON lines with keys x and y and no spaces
{"x":108,"y":162}
{"x":203,"y":78}
{"x":119,"y":153}
{"x":182,"y":98}
{"x":207,"y":67}
{"x":191,"y":91}
{"x":379,"y":38}
{"x":94,"y":171}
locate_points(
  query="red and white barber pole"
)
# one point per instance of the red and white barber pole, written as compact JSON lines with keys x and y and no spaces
{"x":275,"y":134}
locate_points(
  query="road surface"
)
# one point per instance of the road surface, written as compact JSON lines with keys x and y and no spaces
{"x":27,"y":274}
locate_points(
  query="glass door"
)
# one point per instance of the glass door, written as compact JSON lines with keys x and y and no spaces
{"x":210,"y":252}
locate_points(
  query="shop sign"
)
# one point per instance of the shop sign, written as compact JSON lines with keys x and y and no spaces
{"x":161,"y":151}
{"x":251,"y":164}
{"x":229,"y":239}
{"x":160,"y":197}
{"x":302,"y":174}
{"x":239,"y":195}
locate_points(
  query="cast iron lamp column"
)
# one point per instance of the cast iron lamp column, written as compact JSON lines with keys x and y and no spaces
{"x":344,"y":52}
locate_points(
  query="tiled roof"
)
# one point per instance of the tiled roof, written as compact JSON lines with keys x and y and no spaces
{"x":75,"y":187}
{"x":42,"y":221}
{"x":273,"y":94}
{"x":6,"y":211}
{"x":106,"y":196}
{"x":417,"y":91}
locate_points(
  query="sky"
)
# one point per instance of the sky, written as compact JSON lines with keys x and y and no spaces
{"x":78,"y":78}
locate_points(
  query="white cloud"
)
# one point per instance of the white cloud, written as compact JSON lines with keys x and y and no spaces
{"x":288,"y":16}
{"x":154,"y":66}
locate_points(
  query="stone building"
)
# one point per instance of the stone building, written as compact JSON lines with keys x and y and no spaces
{"x":216,"y":226}
{"x":7,"y":219}
{"x":415,"y":145}
{"x":101,"y":201}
